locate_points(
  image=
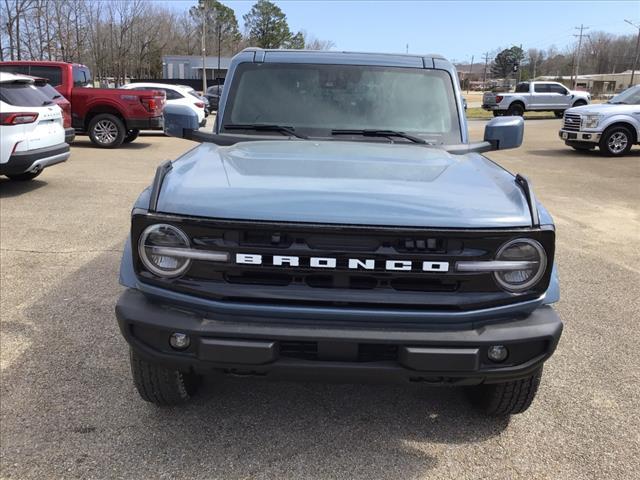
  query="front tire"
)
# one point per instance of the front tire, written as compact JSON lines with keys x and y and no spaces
{"x":24,"y":177}
{"x":503,"y":399}
{"x":616,"y":141}
{"x":106,"y":131}
{"x":579,"y":103}
{"x":131,"y":136}
{"x":559,"y":113}
{"x":160,"y":385}
{"x":515,"y":110}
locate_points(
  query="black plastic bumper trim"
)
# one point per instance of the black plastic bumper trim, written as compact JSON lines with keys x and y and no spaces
{"x":246,"y":348}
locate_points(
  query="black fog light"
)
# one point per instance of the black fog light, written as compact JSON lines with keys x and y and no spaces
{"x":497,"y":353}
{"x":587,"y":136}
{"x":179,"y":341}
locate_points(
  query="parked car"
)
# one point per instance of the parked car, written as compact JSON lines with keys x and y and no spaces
{"x":199,"y":96}
{"x":31,"y":129}
{"x":534,"y":97}
{"x":176,"y":95}
{"x":324,"y":229}
{"x":56,"y":97}
{"x":110,"y":116}
{"x":212,"y":95}
{"x":613,"y":127}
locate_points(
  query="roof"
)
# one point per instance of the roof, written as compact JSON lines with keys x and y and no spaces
{"x":52,"y":63}
{"x":6,"y":77}
{"x":348,"y":52}
{"x":158,"y":85}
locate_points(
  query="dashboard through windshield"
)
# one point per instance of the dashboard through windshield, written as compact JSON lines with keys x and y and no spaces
{"x":314,"y":99}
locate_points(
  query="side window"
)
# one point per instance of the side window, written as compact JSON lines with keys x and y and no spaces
{"x":53,"y":74}
{"x":172,"y":94}
{"x":541,"y":88}
{"x":553,"y":88}
{"x":22,"y":69}
{"x":522,"y":88}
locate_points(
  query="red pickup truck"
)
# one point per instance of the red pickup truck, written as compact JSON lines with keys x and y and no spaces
{"x":110,"y":116}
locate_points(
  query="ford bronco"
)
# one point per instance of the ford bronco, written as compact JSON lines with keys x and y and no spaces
{"x":339,"y":224}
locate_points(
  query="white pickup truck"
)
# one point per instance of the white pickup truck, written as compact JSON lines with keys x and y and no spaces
{"x":613,"y":127}
{"x":535,"y":97}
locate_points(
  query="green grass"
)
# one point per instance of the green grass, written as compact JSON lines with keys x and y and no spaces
{"x":479,"y":113}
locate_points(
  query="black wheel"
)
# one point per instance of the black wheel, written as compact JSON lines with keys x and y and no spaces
{"x":24,"y":177}
{"x":559,"y":113}
{"x":616,"y":141}
{"x":509,"y":398}
{"x":579,"y":103}
{"x":497,"y":113}
{"x":515,"y":110}
{"x":131,"y":136}
{"x":106,"y":131}
{"x":160,"y":385}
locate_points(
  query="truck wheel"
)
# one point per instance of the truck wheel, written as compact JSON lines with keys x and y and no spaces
{"x":160,"y":385}
{"x":559,"y":113}
{"x":497,"y":113}
{"x":579,"y":103}
{"x":509,"y":398}
{"x":106,"y":131}
{"x":26,"y":176}
{"x":131,"y":136}
{"x":615,"y":141}
{"x":515,"y":110}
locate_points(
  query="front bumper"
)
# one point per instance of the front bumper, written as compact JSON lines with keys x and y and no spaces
{"x":33,"y":160}
{"x":151,"y":123}
{"x":572,"y":136}
{"x":455,"y":355}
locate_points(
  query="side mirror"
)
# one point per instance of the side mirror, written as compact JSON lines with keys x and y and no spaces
{"x":504,"y":132}
{"x":180,"y":121}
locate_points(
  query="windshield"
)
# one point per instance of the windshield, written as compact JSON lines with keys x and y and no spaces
{"x":316,"y":99}
{"x":630,"y":96}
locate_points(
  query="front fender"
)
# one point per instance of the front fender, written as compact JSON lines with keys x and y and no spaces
{"x":621,"y":118}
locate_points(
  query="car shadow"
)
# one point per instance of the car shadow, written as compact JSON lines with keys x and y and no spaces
{"x":69,"y":396}
{"x":11,"y":188}
{"x":571,"y":153}
{"x":135,"y":145}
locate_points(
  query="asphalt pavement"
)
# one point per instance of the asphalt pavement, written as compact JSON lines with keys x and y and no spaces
{"x":68,"y":407}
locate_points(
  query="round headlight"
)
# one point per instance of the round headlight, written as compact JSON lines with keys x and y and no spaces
{"x":156,"y":245}
{"x":534,"y":261}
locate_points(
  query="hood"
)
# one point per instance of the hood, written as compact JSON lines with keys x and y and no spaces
{"x":604,"y":109}
{"x":338,"y":182}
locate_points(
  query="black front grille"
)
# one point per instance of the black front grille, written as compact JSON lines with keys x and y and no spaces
{"x":342,"y":286}
{"x":571,"y":122}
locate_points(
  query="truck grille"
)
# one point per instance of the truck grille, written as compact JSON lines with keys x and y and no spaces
{"x":571,"y":122}
{"x":374,"y":286}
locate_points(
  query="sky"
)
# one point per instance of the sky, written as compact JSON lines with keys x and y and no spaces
{"x":457,"y":30}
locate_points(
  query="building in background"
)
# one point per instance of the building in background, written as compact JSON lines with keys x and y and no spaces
{"x":599,"y":83}
{"x":190,"y":67}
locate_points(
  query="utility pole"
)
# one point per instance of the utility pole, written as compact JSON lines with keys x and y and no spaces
{"x":470,"y":71}
{"x":577,"y":62}
{"x":407,"y":50}
{"x":519,"y":66}
{"x":635,"y":59}
{"x":204,"y":65}
{"x":484,"y":75}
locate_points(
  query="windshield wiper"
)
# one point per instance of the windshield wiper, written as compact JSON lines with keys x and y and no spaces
{"x":263,"y":127}
{"x":47,"y":102}
{"x":378,"y":133}
{"x":618,"y":103}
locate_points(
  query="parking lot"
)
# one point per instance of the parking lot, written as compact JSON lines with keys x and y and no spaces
{"x":69,"y":408}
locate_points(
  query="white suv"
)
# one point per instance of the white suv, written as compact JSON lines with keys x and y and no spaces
{"x":31,"y":129}
{"x":176,"y":95}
